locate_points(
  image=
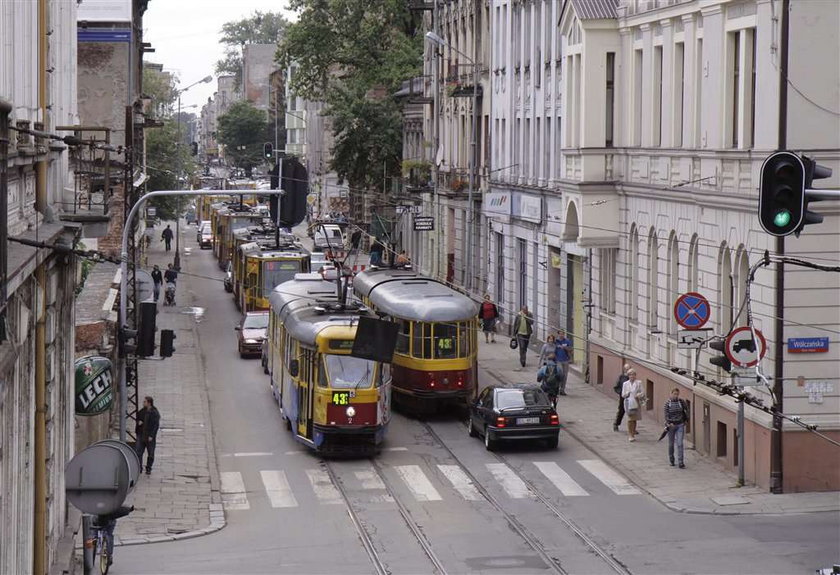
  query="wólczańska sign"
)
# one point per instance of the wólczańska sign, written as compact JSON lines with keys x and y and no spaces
{"x":94,"y":385}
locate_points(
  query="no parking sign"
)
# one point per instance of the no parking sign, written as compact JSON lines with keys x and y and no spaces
{"x":692,"y":310}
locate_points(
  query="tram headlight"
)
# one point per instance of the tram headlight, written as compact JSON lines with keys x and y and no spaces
{"x":350,"y":411}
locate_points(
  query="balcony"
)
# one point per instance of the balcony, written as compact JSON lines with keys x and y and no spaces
{"x":417,"y":176}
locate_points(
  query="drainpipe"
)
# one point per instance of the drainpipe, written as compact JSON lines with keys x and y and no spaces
{"x":39,"y":551}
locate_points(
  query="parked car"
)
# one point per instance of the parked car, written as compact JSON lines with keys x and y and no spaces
{"x":205,"y":237}
{"x":513,"y":412}
{"x":199,"y":229}
{"x":328,"y":236}
{"x":252,"y":332}
{"x":229,"y":278}
{"x":317,"y":261}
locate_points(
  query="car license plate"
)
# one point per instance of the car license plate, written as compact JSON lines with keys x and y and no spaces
{"x":527,"y":420}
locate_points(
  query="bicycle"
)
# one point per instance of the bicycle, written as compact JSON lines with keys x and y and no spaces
{"x":102,"y":538}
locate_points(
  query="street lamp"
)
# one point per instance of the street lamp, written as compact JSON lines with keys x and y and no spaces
{"x":436,"y":39}
{"x":176,"y":263}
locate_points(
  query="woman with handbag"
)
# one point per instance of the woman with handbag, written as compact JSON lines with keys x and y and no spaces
{"x":634,"y":396}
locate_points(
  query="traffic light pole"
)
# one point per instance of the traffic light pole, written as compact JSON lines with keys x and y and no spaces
{"x":123,"y":317}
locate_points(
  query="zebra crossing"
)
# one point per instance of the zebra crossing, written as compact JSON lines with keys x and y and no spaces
{"x":437,"y":484}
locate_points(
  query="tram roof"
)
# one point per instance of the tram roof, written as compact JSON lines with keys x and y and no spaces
{"x":408,"y":295}
{"x":295,"y":301}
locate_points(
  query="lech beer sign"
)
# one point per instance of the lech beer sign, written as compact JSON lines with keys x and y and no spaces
{"x":94,"y":389}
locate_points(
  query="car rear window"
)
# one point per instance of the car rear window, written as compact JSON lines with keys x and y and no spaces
{"x":507,"y":398}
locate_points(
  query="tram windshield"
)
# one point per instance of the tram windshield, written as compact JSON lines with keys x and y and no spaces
{"x":277,"y":272}
{"x":347,"y":372}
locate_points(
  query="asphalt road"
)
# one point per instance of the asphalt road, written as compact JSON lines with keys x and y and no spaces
{"x":435,"y":500}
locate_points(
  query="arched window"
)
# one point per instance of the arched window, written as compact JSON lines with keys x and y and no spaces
{"x":633,"y":276}
{"x":653,"y":278}
{"x":725,"y":289}
{"x":693,"y":274}
{"x":673,"y":275}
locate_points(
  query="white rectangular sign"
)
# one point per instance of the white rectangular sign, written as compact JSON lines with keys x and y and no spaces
{"x":104,"y":11}
{"x":692,"y":338}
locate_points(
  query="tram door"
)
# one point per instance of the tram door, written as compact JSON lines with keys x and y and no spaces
{"x":305,"y":398}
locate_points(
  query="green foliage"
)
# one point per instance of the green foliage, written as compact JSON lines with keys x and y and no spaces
{"x":243,"y":130}
{"x":345,"y":51}
{"x":160,"y":87}
{"x":166,"y":159}
{"x":259,"y":28}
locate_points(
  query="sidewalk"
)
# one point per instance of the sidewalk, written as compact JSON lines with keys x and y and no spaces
{"x":704,"y":487}
{"x":180,"y":499}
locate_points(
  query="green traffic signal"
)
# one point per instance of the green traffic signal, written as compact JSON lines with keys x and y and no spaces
{"x":782,"y":218}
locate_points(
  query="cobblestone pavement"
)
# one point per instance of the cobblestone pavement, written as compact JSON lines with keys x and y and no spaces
{"x":704,"y":487}
{"x":180,"y":498}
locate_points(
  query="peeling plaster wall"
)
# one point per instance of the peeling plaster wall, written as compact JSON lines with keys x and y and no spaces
{"x":103,"y":85}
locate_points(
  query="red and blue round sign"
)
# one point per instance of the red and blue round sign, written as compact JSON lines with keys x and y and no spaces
{"x":692,"y":310}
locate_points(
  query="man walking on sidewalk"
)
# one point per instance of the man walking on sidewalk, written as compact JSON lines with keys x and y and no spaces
{"x":563,"y":355}
{"x":523,"y":327}
{"x":166,"y":237}
{"x":619,"y":385}
{"x":676,"y":414}
{"x":148,"y":423}
{"x":157,"y":278}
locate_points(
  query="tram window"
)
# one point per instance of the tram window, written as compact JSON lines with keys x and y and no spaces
{"x":422,"y":340}
{"x":463,"y":339}
{"x":348,"y":372}
{"x":403,"y":338}
{"x":446,"y":340}
{"x":277,"y":272}
{"x":251,"y":282}
{"x":322,"y":376}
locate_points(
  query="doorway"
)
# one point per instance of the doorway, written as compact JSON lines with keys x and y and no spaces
{"x":575,"y":316}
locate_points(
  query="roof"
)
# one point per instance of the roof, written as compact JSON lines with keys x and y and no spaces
{"x":296,"y":302}
{"x":595,"y":9}
{"x":408,"y":295}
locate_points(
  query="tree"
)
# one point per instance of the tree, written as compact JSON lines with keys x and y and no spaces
{"x":166,"y":159}
{"x":345,"y":51}
{"x":160,"y":88}
{"x":259,"y":28}
{"x":243,"y":130}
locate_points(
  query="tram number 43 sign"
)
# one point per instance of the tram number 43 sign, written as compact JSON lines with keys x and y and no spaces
{"x":342,"y":397}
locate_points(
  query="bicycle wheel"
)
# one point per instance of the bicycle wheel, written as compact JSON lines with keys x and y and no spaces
{"x":104,"y":558}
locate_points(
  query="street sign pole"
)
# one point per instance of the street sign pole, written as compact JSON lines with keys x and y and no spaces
{"x":740,"y":443}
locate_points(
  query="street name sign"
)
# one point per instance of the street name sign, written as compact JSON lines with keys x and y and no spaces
{"x":424,"y":223}
{"x":741,"y":349}
{"x":807,"y":344}
{"x":692,"y":310}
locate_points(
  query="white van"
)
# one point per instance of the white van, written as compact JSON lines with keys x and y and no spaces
{"x":328,"y":236}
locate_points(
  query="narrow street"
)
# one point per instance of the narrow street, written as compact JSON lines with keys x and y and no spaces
{"x":434,"y":499}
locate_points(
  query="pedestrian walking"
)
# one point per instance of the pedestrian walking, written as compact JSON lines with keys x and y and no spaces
{"x":676,"y":414}
{"x":157,"y":278}
{"x":166,"y":237}
{"x":633,"y":395}
{"x":548,"y":351}
{"x":523,"y":327}
{"x":549,"y":377}
{"x":619,"y":385}
{"x":171,"y":274}
{"x":563,"y":356}
{"x":148,"y":423}
{"x":488,"y":314}
{"x":376,"y":250}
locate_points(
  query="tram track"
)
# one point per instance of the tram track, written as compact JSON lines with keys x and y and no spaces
{"x":405,"y":514}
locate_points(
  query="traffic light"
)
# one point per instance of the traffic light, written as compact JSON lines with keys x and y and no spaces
{"x":167,"y":342}
{"x":146,"y":333}
{"x":784,"y":193}
{"x":268,"y":150}
{"x":720,"y":360}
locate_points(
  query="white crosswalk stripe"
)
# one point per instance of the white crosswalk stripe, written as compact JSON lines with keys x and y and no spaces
{"x":233,"y":491}
{"x":460,"y":481}
{"x":609,"y":477}
{"x":418,"y":483}
{"x":322,"y":485}
{"x":561,"y":480}
{"x":513,"y":485}
{"x":371,"y":481}
{"x":277,"y":488}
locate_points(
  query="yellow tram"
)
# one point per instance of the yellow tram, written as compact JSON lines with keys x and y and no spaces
{"x":258,"y":270}
{"x":331,"y":401}
{"x":226,"y":220}
{"x":436,"y":356}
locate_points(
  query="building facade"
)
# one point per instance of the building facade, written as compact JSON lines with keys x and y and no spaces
{"x":669,"y":111}
{"x":37,"y":94}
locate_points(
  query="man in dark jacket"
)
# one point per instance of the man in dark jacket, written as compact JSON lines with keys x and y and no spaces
{"x":157,"y":278}
{"x":148,"y":423}
{"x":523,"y":327}
{"x":166,"y":237}
{"x":619,"y":385}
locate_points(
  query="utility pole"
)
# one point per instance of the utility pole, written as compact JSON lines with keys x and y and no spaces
{"x":436,"y":143}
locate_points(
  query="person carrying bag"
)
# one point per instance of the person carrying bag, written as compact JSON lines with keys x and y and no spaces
{"x":634,"y":396}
